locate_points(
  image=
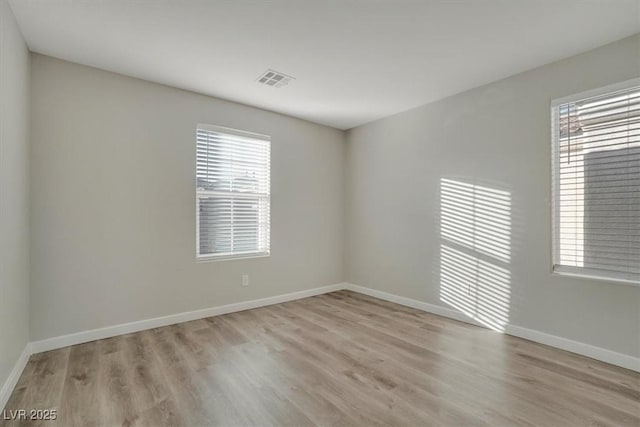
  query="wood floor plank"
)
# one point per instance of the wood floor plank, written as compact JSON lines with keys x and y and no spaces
{"x":188,"y":386}
{"x":80,"y":405}
{"x":583,"y":404}
{"x":340,"y":359}
{"x":117,"y":406}
{"x":441,"y":379}
{"x":22,"y":394}
{"x":591,"y":386}
{"x":46,"y":384}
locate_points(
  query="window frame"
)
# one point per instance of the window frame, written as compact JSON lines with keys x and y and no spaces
{"x":556,"y":268}
{"x":228,"y":256}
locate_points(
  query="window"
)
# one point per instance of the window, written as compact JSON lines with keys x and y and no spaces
{"x":232,"y":193}
{"x":596,"y":183}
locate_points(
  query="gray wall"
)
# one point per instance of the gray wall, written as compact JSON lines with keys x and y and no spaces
{"x":496,"y":138}
{"x":113,"y":227}
{"x":14,"y":206}
{"x":113,"y":193}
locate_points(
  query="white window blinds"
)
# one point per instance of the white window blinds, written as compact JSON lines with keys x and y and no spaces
{"x":596,"y":183}
{"x":232,"y":193}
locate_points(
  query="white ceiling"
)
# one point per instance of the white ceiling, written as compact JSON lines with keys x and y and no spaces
{"x":354,"y":60}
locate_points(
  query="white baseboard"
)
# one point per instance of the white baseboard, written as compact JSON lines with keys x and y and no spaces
{"x":409,"y":302}
{"x":14,"y":376}
{"x":127,"y":328}
{"x":598,"y":353}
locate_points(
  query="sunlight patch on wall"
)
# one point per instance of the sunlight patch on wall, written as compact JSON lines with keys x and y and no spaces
{"x":475,"y":251}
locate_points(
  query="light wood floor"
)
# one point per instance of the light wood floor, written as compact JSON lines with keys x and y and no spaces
{"x":336,"y":359}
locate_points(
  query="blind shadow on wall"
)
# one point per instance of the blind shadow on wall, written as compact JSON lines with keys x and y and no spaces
{"x":475,"y":251}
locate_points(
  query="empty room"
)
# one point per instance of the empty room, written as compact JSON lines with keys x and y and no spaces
{"x":320,"y":213}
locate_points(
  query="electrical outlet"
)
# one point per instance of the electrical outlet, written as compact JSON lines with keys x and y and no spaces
{"x":245,"y":280}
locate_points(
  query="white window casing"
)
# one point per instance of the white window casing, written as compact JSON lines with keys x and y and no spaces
{"x":232,"y":193}
{"x":596,"y":183}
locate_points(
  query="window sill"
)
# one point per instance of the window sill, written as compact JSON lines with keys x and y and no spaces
{"x":613,"y":280}
{"x":231,"y":257}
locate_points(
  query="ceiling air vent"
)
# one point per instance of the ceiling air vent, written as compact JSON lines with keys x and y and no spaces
{"x":274,"y":78}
